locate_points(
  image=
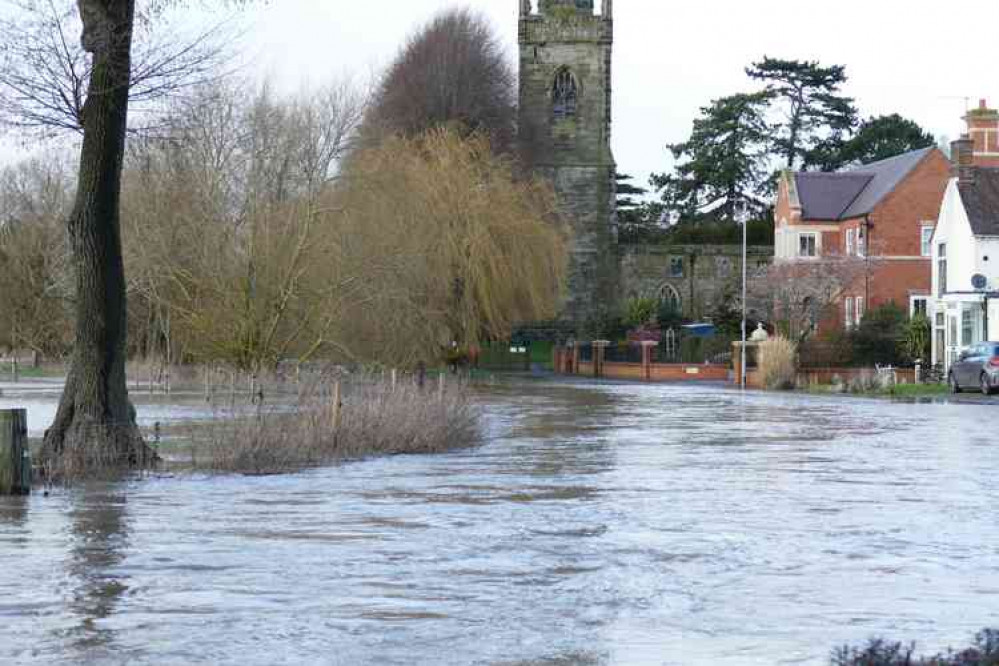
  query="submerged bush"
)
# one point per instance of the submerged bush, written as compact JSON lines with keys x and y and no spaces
{"x":776,"y":362}
{"x":376,"y":418}
{"x":879,"y":652}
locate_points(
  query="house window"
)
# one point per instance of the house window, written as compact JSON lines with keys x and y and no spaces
{"x":967,"y":328}
{"x":564,"y":94}
{"x":942,"y":269}
{"x":926,"y":240}
{"x":807,"y":245}
{"x":861,"y":243}
{"x":848,"y":310}
{"x":676,"y":267}
{"x":851,"y":242}
{"x":859,"y":316}
{"x":919,"y":306}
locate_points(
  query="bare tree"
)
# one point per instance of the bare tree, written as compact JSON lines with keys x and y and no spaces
{"x":453,"y":70}
{"x":45,"y":71}
{"x":35,"y":277}
{"x":95,"y":423}
{"x":800,"y":295}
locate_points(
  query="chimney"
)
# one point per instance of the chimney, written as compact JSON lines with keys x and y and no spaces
{"x":983,"y":129}
{"x":962,"y":157}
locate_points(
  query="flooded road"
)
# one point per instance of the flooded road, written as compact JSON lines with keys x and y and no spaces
{"x":603,"y":524}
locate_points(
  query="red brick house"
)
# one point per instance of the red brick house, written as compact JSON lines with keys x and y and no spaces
{"x":878,"y":217}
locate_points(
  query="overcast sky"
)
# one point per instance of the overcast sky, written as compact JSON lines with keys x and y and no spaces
{"x":671,"y":57}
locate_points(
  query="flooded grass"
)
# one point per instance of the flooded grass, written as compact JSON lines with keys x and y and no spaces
{"x":374,"y":418}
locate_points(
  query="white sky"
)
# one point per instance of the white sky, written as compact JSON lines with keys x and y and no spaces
{"x":916,"y":58}
{"x":671,"y":57}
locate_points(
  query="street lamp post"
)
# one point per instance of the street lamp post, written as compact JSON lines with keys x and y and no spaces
{"x":743,"y":218}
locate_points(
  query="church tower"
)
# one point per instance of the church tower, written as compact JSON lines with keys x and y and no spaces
{"x":564,"y":134}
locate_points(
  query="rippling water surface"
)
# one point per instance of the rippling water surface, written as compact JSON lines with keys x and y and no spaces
{"x":603,"y":524}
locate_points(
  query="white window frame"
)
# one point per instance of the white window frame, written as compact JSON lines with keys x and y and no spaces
{"x":926,"y":244}
{"x":851,"y":242}
{"x":861,"y":242}
{"x":860,"y":311}
{"x":848,"y":308}
{"x":815,"y":244}
{"x":912,"y":305}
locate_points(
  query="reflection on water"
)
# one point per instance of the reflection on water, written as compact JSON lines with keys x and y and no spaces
{"x":603,"y":525}
{"x":99,"y":527}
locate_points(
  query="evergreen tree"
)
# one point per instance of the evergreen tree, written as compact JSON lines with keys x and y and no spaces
{"x":876,"y":139}
{"x":723,"y":163}
{"x":815,"y":115}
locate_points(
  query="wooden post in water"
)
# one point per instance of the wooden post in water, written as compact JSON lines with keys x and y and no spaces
{"x":395,"y":378}
{"x":15,"y":465}
{"x":337,"y":406}
{"x":440,"y":388}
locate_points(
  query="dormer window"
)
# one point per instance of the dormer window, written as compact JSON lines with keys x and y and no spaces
{"x":565,"y":94}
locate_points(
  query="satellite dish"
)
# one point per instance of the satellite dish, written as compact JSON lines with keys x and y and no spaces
{"x":979,"y":282}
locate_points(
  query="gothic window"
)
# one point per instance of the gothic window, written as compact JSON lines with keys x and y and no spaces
{"x":565,"y":94}
{"x":669,"y":296}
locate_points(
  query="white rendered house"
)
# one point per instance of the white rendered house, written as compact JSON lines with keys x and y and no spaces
{"x":965,"y":306}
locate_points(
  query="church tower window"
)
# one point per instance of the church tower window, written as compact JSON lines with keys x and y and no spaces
{"x":565,"y":94}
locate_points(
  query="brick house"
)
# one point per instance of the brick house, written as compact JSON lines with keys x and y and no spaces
{"x":881,"y":214}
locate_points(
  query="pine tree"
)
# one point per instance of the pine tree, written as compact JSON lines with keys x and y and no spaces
{"x":723,"y":163}
{"x":876,"y":139}
{"x":815,"y":114}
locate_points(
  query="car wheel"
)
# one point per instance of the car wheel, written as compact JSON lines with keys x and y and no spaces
{"x":986,"y":385}
{"x":954,"y":386}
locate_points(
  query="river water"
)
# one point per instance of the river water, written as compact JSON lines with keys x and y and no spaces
{"x":603,"y":524}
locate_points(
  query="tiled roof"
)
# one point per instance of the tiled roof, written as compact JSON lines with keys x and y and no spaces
{"x":856,"y":192}
{"x":981,"y":201}
{"x":826,"y":196}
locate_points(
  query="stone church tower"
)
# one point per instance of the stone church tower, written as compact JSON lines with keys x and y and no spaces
{"x":565,"y":128}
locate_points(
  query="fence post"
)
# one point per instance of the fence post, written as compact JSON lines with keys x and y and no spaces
{"x":337,"y":406}
{"x":599,"y":350}
{"x":575,"y":358}
{"x":647,"y":347}
{"x":15,"y":465}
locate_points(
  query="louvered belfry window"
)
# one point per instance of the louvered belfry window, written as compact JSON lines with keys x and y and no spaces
{"x":565,"y":94}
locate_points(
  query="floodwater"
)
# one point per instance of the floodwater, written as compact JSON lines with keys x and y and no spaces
{"x":604,"y":524}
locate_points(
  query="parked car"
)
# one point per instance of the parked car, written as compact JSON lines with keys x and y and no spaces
{"x":977,"y":366}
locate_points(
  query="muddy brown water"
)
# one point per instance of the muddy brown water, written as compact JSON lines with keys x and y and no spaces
{"x":602,"y":524}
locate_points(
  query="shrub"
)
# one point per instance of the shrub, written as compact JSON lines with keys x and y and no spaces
{"x":640,"y":311}
{"x":916,"y":338}
{"x":878,"y":339}
{"x":879,"y":652}
{"x":776,"y":360}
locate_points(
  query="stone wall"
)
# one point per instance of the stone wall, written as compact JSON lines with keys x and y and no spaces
{"x":702,"y":276}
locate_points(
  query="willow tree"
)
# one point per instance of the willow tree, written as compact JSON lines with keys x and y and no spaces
{"x":453,"y":247}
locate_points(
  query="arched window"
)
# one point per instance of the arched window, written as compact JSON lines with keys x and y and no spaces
{"x":669,"y":296}
{"x":565,"y":94}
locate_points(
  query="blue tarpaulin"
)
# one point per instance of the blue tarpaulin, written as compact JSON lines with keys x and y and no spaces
{"x":700,"y":330}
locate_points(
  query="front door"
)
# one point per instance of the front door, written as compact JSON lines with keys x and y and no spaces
{"x":953,"y":346}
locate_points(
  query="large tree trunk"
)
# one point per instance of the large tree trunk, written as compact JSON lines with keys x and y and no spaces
{"x":95,"y":425}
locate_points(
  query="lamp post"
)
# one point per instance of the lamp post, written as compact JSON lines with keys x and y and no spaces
{"x":742,"y":216}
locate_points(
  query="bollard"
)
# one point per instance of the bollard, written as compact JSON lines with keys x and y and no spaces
{"x":15,"y":463}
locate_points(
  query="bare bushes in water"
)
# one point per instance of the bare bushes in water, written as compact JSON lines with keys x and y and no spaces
{"x":375,"y":418}
{"x":777,"y":362}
